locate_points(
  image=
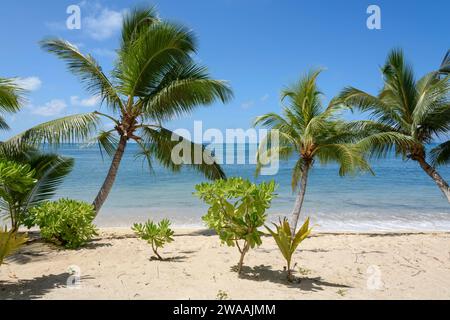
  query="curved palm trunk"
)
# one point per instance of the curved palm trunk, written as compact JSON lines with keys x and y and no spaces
{"x":111,"y":177}
{"x":300,"y":198}
{"x":441,"y":183}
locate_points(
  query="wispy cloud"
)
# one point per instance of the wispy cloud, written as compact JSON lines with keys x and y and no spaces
{"x":103,"y":23}
{"x":251,"y":103}
{"x":51,"y":108}
{"x":248,"y":104}
{"x":88,"y":102}
{"x":29,"y":83}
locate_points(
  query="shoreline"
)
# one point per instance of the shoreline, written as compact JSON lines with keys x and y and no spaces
{"x":187,"y":230}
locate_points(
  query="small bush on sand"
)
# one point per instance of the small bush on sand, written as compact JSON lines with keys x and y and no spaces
{"x":10,"y":242}
{"x":157,"y":235}
{"x":237,"y":209}
{"x":65,"y":222}
{"x":287,"y":241}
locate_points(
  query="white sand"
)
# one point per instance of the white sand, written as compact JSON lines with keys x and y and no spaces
{"x":333,"y":266}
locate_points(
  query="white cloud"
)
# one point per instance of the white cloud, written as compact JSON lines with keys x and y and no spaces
{"x":248,"y":104}
{"x":103,"y":24}
{"x":88,"y":102}
{"x":51,"y":108}
{"x":264,"y":98}
{"x":29,"y":83}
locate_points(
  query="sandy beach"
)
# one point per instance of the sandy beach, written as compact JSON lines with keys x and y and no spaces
{"x":116,"y":265}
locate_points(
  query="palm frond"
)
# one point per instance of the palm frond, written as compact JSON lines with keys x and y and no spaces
{"x":440,"y":155}
{"x":380,"y":144}
{"x":183,"y":88}
{"x":142,"y":65}
{"x":348,"y":156}
{"x":160,"y":143}
{"x":50,"y":171}
{"x":433,"y":96}
{"x":107,"y":141}
{"x":70,"y":129}
{"x":86,"y":68}
{"x":137,"y":22}
{"x":366,"y":102}
{"x":11,"y":96}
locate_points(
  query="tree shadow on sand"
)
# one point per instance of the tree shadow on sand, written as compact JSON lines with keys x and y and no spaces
{"x":32,"y":288}
{"x":169,"y":259}
{"x":265,"y":273}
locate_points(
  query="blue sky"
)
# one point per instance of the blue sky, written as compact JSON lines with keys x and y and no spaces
{"x":258,"y":45}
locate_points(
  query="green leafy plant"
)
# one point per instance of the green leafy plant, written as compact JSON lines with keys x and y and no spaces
{"x":222,"y":295}
{"x":10,"y":242}
{"x":287,"y":241}
{"x":11,"y":98}
{"x":16,"y":182}
{"x":28,"y":178}
{"x":237,"y":210}
{"x":157,"y":235}
{"x":65,"y":222}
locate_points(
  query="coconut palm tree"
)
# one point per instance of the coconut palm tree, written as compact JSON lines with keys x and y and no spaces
{"x":154,"y":79}
{"x":309,"y":132}
{"x":406,"y":115}
{"x":10,"y":99}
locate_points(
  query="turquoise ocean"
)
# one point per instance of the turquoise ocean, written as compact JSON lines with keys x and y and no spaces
{"x":399,"y":197}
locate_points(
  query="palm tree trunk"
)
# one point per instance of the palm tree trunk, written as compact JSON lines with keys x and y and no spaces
{"x":437,"y":178}
{"x":300,"y":198}
{"x":111,"y":177}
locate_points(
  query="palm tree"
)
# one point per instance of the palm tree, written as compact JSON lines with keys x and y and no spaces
{"x":310,"y":132}
{"x":154,"y":80}
{"x":10,"y":99}
{"x":28,"y":178}
{"x":406,"y":115}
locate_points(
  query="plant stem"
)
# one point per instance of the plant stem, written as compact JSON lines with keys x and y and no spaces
{"x":155,"y":251}
{"x":243,"y":252}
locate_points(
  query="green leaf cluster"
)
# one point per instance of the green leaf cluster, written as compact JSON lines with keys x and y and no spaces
{"x":65,"y":222}
{"x":287,"y":241}
{"x":10,"y":242}
{"x":237,"y":210}
{"x":27,"y":178}
{"x":157,"y":235}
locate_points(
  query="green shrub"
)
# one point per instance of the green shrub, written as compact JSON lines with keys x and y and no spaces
{"x":10,"y":242}
{"x":237,"y":210}
{"x":16,"y":182}
{"x":65,"y":222}
{"x":157,"y":235}
{"x":288,"y":242}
